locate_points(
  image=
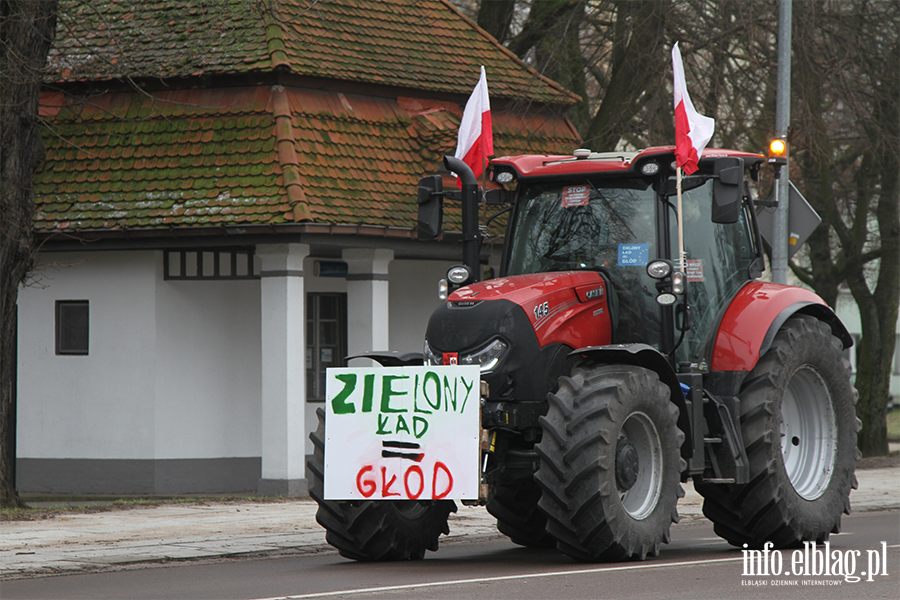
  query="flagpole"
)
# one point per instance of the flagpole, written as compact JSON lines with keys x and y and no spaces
{"x":681,"y":260}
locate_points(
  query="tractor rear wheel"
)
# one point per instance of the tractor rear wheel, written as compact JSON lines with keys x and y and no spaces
{"x":610,"y":463}
{"x":798,"y":421}
{"x":375,"y":531}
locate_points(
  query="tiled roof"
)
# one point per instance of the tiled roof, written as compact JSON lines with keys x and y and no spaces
{"x":253,"y":155}
{"x":412,"y":44}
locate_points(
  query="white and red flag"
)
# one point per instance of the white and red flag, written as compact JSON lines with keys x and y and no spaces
{"x":476,"y":138}
{"x":692,"y":130}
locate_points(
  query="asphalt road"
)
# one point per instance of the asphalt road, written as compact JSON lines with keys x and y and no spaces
{"x":696,"y":565}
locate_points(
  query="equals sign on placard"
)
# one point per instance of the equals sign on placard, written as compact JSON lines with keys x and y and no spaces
{"x":416,"y":456}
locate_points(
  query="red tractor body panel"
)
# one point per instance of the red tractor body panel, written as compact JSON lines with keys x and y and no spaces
{"x":544,"y":165}
{"x":566,"y":307}
{"x":747,"y":321}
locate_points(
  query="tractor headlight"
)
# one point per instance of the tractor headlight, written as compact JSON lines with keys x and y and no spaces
{"x":431,"y":359}
{"x":459,"y":274}
{"x":659,"y":269}
{"x":488,"y":357}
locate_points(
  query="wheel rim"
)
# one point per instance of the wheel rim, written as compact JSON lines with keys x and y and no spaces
{"x":641,"y":498}
{"x":808,"y":433}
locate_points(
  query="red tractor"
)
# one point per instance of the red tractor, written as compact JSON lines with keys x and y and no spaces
{"x":612,"y":371}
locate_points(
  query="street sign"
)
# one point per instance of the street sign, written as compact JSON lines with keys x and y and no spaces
{"x":802,"y":220}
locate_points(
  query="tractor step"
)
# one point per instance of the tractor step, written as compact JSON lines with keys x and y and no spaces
{"x":719,"y":480}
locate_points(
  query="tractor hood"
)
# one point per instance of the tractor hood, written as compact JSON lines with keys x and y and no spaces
{"x":538,"y":319}
{"x":566,"y":307}
{"x":525,"y":289}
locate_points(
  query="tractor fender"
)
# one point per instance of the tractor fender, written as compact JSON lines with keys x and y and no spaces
{"x":756,"y":314}
{"x":648,"y":357}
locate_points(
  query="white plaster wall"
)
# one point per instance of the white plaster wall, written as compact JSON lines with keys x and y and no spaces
{"x":413,"y":292}
{"x":208,"y":368}
{"x":174,"y":366}
{"x":100,"y":405}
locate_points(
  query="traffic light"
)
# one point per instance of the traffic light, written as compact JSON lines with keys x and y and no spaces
{"x":777,"y":155}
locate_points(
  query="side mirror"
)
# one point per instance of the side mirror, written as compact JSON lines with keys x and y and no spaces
{"x":497,"y":197}
{"x":728,"y":175}
{"x":430,"y":199}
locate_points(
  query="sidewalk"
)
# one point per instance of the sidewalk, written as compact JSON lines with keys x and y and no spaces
{"x":75,"y":542}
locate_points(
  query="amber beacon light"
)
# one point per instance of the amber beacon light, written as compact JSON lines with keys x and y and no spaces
{"x":778,"y":152}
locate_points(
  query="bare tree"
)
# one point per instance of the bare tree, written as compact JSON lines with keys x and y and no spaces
{"x":846,"y":138}
{"x":26,"y":32}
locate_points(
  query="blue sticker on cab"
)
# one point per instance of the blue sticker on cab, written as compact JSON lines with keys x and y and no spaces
{"x":634,"y":255}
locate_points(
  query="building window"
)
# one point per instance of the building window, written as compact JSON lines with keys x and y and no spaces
{"x":72,"y":331}
{"x":326,"y":340}
{"x":210,"y":263}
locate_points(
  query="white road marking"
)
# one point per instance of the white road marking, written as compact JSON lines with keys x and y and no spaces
{"x":413,"y":586}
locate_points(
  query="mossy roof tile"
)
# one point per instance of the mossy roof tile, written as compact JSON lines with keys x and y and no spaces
{"x":412,"y":44}
{"x":264,"y":153}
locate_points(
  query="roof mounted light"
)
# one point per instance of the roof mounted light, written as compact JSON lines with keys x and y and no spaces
{"x":582,"y":153}
{"x":650,"y":168}
{"x":504,"y":177}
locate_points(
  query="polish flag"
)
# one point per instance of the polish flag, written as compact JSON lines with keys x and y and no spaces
{"x":692,"y":130}
{"x":476,"y":138}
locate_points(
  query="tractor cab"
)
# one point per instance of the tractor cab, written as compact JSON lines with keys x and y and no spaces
{"x":616,"y":214}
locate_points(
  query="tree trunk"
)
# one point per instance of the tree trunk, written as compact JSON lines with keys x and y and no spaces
{"x":639,"y":43}
{"x":26,"y":32}
{"x":559,"y":56}
{"x":852,"y":180}
{"x":873,"y":375}
{"x":495,"y":17}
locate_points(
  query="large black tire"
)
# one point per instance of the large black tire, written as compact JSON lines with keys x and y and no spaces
{"x":518,"y":515}
{"x":610,"y":463}
{"x":375,"y":530}
{"x":798,"y":421}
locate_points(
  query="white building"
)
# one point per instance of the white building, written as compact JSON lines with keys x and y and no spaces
{"x":211,"y":242}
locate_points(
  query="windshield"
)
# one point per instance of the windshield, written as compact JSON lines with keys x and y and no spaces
{"x":718,"y":263}
{"x":585,"y":226}
{"x":608,"y":226}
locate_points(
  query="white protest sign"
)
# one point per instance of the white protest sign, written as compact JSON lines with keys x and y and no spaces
{"x":402,"y":433}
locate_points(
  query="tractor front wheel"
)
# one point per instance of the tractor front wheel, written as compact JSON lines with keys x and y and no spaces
{"x":610,"y":463}
{"x":375,"y":531}
{"x":518,"y":515}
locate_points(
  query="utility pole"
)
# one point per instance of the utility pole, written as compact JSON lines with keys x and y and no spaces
{"x":782,"y":122}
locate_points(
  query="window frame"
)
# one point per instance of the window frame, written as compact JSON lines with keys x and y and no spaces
{"x":314,"y":345}
{"x":63,"y":322}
